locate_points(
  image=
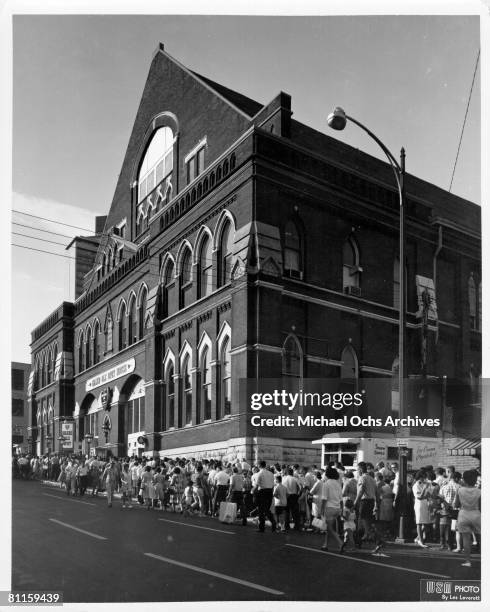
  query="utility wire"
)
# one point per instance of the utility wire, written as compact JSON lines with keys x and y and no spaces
{"x":36,"y":238}
{"x":20,"y":212}
{"x":464,"y":122}
{"x":38,"y":229}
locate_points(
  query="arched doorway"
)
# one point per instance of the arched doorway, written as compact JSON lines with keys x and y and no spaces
{"x":89,"y":422}
{"x":131,"y":425}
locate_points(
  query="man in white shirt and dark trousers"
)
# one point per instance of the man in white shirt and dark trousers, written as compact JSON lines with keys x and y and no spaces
{"x":293,"y":490}
{"x":264,"y":489}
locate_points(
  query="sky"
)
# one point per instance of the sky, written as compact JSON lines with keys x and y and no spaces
{"x":77,"y":82}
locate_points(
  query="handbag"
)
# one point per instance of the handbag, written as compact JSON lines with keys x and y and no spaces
{"x":319,"y":524}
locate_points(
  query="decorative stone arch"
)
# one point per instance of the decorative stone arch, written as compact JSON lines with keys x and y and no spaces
{"x":224,"y":217}
{"x":169,"y":359}
{"x":168,"y":257}
{"x":185,"y":244}
{"x":131,"y":299}
{"x":185,"y":351}
{"x":291,"y":337}
{"x":143,"y":287}
{"x":224,"y":332}
{"x":204,"y":342}
{"x":122,"y":304}
{"x":201,"y":235}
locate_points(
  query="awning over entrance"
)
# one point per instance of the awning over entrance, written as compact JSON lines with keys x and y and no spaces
{"x":470,"y":447}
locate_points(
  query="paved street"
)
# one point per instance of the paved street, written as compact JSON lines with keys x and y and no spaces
{"x":94,"y":553}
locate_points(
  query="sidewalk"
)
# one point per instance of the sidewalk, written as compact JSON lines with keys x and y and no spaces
{"x":407,"y":548}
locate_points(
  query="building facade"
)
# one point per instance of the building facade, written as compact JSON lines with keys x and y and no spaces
{"x":243,"y":245}
{"x":20,"y":377}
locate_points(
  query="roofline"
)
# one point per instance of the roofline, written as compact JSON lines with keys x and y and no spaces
{"x":161,"y":49}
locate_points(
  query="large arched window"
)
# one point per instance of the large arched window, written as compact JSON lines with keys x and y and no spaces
{"x":49,"y":365}
{"x":349,"y":370}
{"x":292,"y":358}
{"x":81,"y":364}
{"x":293,"y":265}
{"x":96,"y":340}
{"x":142,"y":313}
{"x":122,"y":327}
{"x":351,"y":268}
{"x":205,"y":384}
{"x":132,"y":321}
{"x":170,"y":395}
{"x":473,"y":303}
{"x":185,"y":279}
{"x":168,"y":289}
{"x":225,"y":255}
{"x":157,"y":163}
{"x":186,"y":395}
{"x":205,"y":268}
{"x":225,"y":378}
{"x":88,"y":347}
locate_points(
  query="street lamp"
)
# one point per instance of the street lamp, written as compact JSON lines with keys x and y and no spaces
{"x":337,"y":120}
{"x":89,"y":437}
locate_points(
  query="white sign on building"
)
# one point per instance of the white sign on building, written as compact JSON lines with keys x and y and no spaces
{"x":67,"y":433}
{"x":109,"y":375}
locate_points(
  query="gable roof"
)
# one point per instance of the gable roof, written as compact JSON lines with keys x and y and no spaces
{"x":245,"y":104}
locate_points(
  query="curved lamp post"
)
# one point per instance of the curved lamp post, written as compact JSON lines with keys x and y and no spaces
{"x":89,"y":437}
{"x":337,"y":120}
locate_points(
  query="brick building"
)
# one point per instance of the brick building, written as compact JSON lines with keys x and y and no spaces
{"x":242,"y":244}
{"x":20,"y":376}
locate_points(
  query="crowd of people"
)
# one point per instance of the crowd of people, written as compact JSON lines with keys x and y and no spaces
{"x":350,"y":508}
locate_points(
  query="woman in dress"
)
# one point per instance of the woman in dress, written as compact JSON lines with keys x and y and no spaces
{"x":158,"y":480}
{"x":468,"y":500}
{"x":316,"y":493}
{"x":177,"y":489}
{"x":421,"y":492}
{"x":147,"y":487}
{"x":332,"y":506}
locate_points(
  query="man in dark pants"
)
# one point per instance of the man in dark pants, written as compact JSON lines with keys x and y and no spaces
{"x":264,"y":488}
{"x":293,"y":490}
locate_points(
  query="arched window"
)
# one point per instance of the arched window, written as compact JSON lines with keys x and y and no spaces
{"x":225,"y":378}
{"x":472,"y":299}
{"x":108,"y":332}
{"x":351,"y":268}
{"x":88,"y":348}
{"x":81,"y":346}
{"x":225,"y":255}
{"x":168,"y":289}
{"x":205,"y":380}
{"x":293,"y":264}
{"x":157,"y":163}
{"x":142,"y":313}
{"x":49,"y":366}
{"x":122,"y":327}
{"x":292,"y":358}
{"x":170,"y":395}
{"x":132,"y":322}
{"x":186,"y":395}
{"x":349,"y":370}
{"x":96,"y":349}
{"x":205,"y":268}
{"x":185,"y":279}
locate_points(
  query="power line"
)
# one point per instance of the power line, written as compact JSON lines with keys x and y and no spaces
{"x":52,"y":221}
{"x":38,"y":229}
{"x":464,"y":122}
{"x":36,"y":238}
{"x":20,"y":246}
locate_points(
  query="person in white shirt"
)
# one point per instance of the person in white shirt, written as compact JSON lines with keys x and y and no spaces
{"x":264,"y":488}
{"x":293,"y":490}
{"x":332,"y":505}
{"x":222,"y":480}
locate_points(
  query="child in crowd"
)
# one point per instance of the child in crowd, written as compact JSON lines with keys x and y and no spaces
{"x":280,"y":502}
{"x":349,"y":516}
{"x":188,"y":500}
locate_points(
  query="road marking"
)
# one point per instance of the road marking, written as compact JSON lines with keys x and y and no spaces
{"x":93,"y":535}
{"x":68,"y":499}
{"x":404,"y":569}
{"x":194,"y":568}
{"x":196,"y":526}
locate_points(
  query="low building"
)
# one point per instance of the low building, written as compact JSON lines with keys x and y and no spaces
{"x":243,"y":245}
{"x":20,"y":377}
